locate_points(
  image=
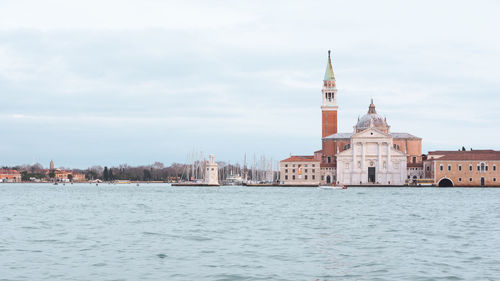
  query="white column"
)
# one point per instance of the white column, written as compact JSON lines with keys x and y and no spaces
{"x":379,"y":157}
{"x":363,"y":144}
{"x":354,"y":162}
{"x":388,"y":156}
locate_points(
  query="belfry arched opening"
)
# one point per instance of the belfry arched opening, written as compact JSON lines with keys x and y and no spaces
{"x":445,"y":183}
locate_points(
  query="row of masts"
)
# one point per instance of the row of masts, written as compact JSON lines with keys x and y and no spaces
{"x":261,"y":170}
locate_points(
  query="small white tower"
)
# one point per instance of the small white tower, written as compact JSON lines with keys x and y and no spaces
{"x":211,"y":171}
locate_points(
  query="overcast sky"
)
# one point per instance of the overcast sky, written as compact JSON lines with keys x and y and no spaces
{"x":110,"y":82}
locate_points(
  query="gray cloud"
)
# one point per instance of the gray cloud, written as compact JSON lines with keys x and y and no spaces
{"x":144,"y":81}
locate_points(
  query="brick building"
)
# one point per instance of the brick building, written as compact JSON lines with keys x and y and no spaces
{"x":463,"y":168}
{"x":300,"y":170}
{"x":9,"y":175}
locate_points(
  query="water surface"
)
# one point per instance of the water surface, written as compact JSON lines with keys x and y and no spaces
{"x":159,"y":232}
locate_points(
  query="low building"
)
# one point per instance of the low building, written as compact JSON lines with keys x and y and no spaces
{"x":67,"y":176}
{"x":9,"y":175}
{"x":300,"y":170}
{"x":463,"y":168}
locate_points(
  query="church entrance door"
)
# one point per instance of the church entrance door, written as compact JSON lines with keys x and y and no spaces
{"x":482,"y":181}
{"x":328,"y":179}
{"x":371,"y":174}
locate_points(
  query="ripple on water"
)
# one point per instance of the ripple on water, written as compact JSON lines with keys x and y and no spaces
{"x":272,"y":234}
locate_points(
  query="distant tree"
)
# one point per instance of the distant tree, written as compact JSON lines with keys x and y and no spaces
{"x":70,"y":177}
{"x":110,"y":174}
{"x":105,"y":174}
{"x":25,"y":176}
{"x":147,"y":175}
{"x":158,"y":165}
{"x":52,"y":174}
{"x":463,"y":148}
{"x":91,"y":174}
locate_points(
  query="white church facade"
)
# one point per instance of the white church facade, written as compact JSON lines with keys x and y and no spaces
{"x":371,"y":159}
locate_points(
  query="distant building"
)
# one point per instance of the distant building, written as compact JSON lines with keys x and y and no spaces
{"x":463,"y":168}
{"x":211,"y":171}
{"x":300,"y":170}
{"x":9,"y":175}
{"x":63,"y":175}
{"x":66,"y":176}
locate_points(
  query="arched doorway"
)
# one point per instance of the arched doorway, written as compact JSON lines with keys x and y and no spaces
{"x":328,"y":179}
{"x":444,"y":182}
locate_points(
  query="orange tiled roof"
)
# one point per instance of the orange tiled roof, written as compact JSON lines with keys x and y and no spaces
{"x":8,"y":171}
{"x":297,"y":158}
{"x":486,"y":154}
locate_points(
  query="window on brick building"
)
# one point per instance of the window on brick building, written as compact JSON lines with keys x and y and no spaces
{"x":428,"y":168}
{"x":286,"y":177}
{"x":305,"y":177}
{"x":494,"y":179}
{"x":494,"y":167}
{"x":329,"y":159}
{"x":460,"y":167}
{"x":305,"y":170}
{"x":414,"y":159}
{"x":314,"y":170}
{"x":313,"y":177}
{"x":449,"y":167}
{"x":440,"y":167}
{"x":293,"y":177}
{"x":470,"y":179}
{"x":459,"y":179}
{"x":293,"y":170}
{"x":470,"y":167}
{"x":286,"y":170}
{"x":286,"y":165}
{"x":313,"y":165}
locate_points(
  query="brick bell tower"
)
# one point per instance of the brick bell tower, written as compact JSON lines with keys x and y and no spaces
{"x":329,"y":106}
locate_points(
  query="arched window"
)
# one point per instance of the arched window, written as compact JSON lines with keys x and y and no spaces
{"x":347,"y":146}
{"x":482,"y":167}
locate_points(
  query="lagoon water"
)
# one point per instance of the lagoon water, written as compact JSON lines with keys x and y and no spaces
{"x":159,"y":232}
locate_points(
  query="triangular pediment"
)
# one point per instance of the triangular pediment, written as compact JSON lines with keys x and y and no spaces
{"x":371,"y":133}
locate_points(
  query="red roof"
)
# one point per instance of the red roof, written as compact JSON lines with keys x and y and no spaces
{"x":415,"y":165}
{"x":466,"y":155}
{"x":8,"y":171}
{"x":297,"y":158}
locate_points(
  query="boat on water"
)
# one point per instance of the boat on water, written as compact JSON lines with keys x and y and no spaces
{"x":233,"y":180}
{"x":333,"y":187}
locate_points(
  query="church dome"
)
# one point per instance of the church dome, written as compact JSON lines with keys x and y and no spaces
{"x":372,"y":119}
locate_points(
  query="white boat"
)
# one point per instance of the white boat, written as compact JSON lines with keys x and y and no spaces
{"x":333,"y":187}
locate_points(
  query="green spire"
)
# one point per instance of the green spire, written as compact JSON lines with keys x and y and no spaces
{"x":329,"y":70}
